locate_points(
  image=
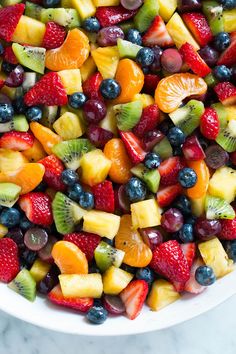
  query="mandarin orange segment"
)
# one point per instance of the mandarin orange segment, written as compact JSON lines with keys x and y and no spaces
{"x":45,"y":136}
{"x":69,"y":258}
{"x":131,"y":79}
{"x":121,"y":164}
{"x":137,"y":253}
{"x":72,"y":53}
{"x":173,"y":89}
{"x":203,"y":176}
{"x":27,"y":177}
{"x":35,"y":153}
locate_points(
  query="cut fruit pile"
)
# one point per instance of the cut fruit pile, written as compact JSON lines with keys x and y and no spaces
{"x":117,"y":151}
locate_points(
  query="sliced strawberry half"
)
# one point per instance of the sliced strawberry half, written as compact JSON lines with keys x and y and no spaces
{"x":166,"y":195}
{"x":91,"y":86}
{"x":111,"y":15}
{"x":157,"y":34}
{"x":197,"y":24}
{"x":169,"y":170}
{"x":194,"y":60}
{"x":53,"y":169}
{"x":54,"y":35}
{"x":133,"y":146}
{"x":104,"y":197}
{"x":189,"y":251}
{"x":9,"y":18}
{"x":9,"y":261}
{"x":226,"y":93}
{"x":9,"y":56}
{"x":150,"y":83}
{"x":86,"y":241}
{"x":192,"y":286}
{"x":18,"y":141}
{"x":150,"y":118}
{"x":192,"y":149}
{"x":228,"y":57}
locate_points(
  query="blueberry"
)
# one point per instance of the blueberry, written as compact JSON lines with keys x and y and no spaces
{"x":145,"y":274}
{"x":91,"y":24}
{"x":230,"y":247}
{"x":51,"y":3}
{"x":152,"y":160}
{"x":25,"y":224}
{"x":135,"y":189}
{"x":108,"y":241}
{"x":19,"y":105}
{"x":134,"y":36}
{"x":205,"y":276}
{"x":128,"y":268}
{"x":165,"y":125}
{"x":41,"y":187}
{"x":145,"y":70}
{"x":7,"y":67}
{"x":77,"y":100}
{"x":97,"y":315}
{"x":145,"y":56}
{"x":186,"y":233}
{"x":183,"y":204}
{"x":6,"y":112}
{"x":28,"y":257}
{"x":1,"y":49}
{"x":110,"y":89}
{"x":228,"y":4}
{"x":69,"y":177}
{"x":75,"y":191}
{"x":187,"y":177}
{"x":10,"y":217}
{"x":176,"y":136}
{"x":86,"y":200}
{"x":222,"y":73}
{"x":221,"y":41}
{"x":34,"y":114}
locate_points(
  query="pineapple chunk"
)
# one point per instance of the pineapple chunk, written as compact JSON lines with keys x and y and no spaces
{"x":71,"y":80}
{"x":145,"y":214}
{"x":95,"y":167}
{"x":179,"y":32}
{"x":101,"y":223}
{"x":115,"y":280}
{"x":39,"y":270}
{"x":229,"y":18}
{"x":11,"y":160}
{"x":106,"y":2}
{"x":109,"y":122}
{"x":231,"y":112}
{"x":214,"y":256}
{"x":85,"y":8}
{"x":161,"y":295}
{"x":223,"y":184}
{"x":167,"y":8}
{"x":3,"y":231}
{"x":146,"y":100}
{"x":68,"y":126}
{"x":198,"y":206}
{"x":29,"y":31}
{"x":88,"y":68}
{"x":83,"y":285}
{"x":35,"y":153}
{"x":107,"y":60}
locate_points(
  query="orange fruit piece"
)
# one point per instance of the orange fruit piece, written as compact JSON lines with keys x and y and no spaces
{"x":45,"y":136}
{"x":137,"y":253}
{"x":71,"y":54}
{"x":203,"y":176}
{"x":35,"y":153}
{"x":69,"y":258}
{"x":173,"y":89}
{"x":27,"y":177}
{"x":131,"y":80}
{"x":120,"y":162}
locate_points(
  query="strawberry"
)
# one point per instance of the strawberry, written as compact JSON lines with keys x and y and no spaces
{"x":91,"y":86}
{"x":87,"y":242}
{"x":48,"y":91}
{"x":150,"y":83}
{"x":168,"y":260}
{"x":197,"y":24}
{"x":189,"y":251}
{"x":226,"y":93}
{"x":166,"y":195}
{"x":9,"y":56}
{"x":111,"y":15}
{"x":2,"y":83}
{"x":228,"y":57}
{"x":194,"y":60}
{"x":150,"y":118}
{"x":37,"y":207}
{"x":9,"y":262}
{"x":104,"y":197}
{"x":157,"y":34}
{"x":192,"y":149}
{"x":169,"y":170}
{"x":54,"y":36}
{"x":9,"y":18}
{"x":18,"y":141}
{"x":192,"y":286}
{"x":210,"y":124}
{"x":75,"y":303}
{"x":133,"y":297}
{"x":133,"y":146}
{"x":53,"y":169}
{"x":228,"y":231}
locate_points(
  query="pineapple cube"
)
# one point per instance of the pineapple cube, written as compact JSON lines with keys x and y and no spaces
{"x":95,"y":167}
{"x":161,"y":295}
{"x":71,"y":80}
{"x":229,"y":18}
{"x":115,"y":280}
{"x":98,"y":3}
{"x":101,"y":223}
{"x":3,"y":231}
{"x":198,"y":206}
{"x":88,"y":68}
{"x":110,"y":122}
{"x":81,"y":285}
{"x":39,"y":270}
{"x":223,"y":184}
{"x":29,"y":31}
{"x":68,"y":126}
{"x":214,"y":256}
{"x":167,"y":8}
{"x":179,"y":32}
{"x":146,"y":100}
{"x":145,"y":214}
{"x":85,"y":8}
{"x":231,"y":112}
{"x":107,"y":60}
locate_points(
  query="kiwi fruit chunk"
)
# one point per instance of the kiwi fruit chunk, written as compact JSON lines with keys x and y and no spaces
{"x":66,"y":213}
{"x":9,"y":194}
{"x":49,"y":115}
{"x":31,"y":57}
{"x":70,"y":151}
{"x":227,"y":137}
{"x":18,"y":123}
{"x":64,"y":17}
{"x":33,"y":10}
{"x":210,"y":80}
{"x":127,"y":49}
{"x":150,"y":177}
{"x":24,"y":284}
{"x":128,"y":114}
{"x":5,"y":3}
{"x":146,"y":14}
{"x":126,"y":26}
{"x":218,"y":208}
{"x":221,"y":113}
{"x":163,"y":148}
{"x":213,"y":11}
{"x":106,"y":256}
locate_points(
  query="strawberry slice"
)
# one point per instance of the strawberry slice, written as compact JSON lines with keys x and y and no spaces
{"x":189,"y":250}
{"x":192,"y":286}
{"x":53,"y":169}
{"x":9,"y":261}
{"x":192,"y":149}
{"x":150,"y":83}
{"x":75,"y":303}
{"x":111,"y":15}
{"x":17,"y":141}
{"x":150,"y":118}
{"x":48,"y":91}
{"x":228,"y":57}
{"x":157,"y":34}
{"x":133,"y":297}
{"x":166,"y":195}
{"x":197,"y":24}
{"x":210,"y":124}
{"x":9,"y":18}
{"x":226,"y":93}
{"x":9,"y":56}
{"x":87,"y":242}
{"x":104,"y":197}
{"x":91,"y":87}
{"x":54,"y":36}
{"x":194,"y":60}
{"x":133,"y":146}
{"x":169,"y":170}
{"x":228,"y":231}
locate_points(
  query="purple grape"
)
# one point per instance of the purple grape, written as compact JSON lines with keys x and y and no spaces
{"x":216,"y":157}
{"x":152,"y":138}
{"x":95,"y":111}
{"x":155,"y":67}
{"x":122,"y":200}
{"x":35,"y":238}
{"x":209,"y":55}
{"x":45,"y":253}
{"x":113,"y":304}
{"x":131,"y":4}
{"x":172,"y":220}
{"x":189,"y":5}
{"x":152,"y":237}
{"x":207,"y":229}
{"x":49,"y":281}
{"x":171,"y":60}
{"x":99,"y":136}
{"x":16,"y":77}
{"x":108,"y":36}
{"x":4,"y":99}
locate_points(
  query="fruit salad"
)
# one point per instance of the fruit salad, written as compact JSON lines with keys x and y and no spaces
{"x":117,"y":151}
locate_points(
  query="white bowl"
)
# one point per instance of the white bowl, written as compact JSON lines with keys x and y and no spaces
{"x":42,"y":313}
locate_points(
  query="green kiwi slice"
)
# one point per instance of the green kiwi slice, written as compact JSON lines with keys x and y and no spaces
{"x":31,"y":57}
{"x":18,"y":123}
{"x":106,"y":256}
{"x":128,"y":114}
{"x":127,"y":49}
{"x":213,"y":11}
{"x":163,"y":148}
{"x":146,"y":15}
{"x":221,"y":113}
{"x":9,"y":194}
{"x":33,"y":10}
{"x":150,"y":177}
{"x":64,"y":17}
{"x":126,"y":26}
{"x":24,"y":284}
{"x":227,"y":137}
{"x":218,"y":208}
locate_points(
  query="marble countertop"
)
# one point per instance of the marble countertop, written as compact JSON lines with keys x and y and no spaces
{"x":211,"y":333}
